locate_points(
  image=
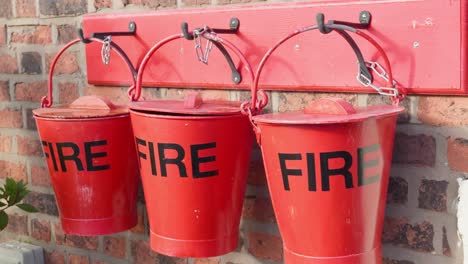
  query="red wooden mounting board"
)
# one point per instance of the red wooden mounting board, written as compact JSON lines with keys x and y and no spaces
{"x":426,"y":41}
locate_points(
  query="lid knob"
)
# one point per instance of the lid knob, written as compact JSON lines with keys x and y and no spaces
{"x":92,"y":102}
{"x":330,"y":106}
{"x":193,"y":100}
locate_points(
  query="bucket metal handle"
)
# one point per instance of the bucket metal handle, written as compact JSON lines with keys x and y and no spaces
{"x":397,"y":94}
{"x":211,"y":36}
{"x":47,"y":100}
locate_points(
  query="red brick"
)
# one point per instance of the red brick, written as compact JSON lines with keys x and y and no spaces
{"x":30,"y":121}
{"x":31,"y":62}
{"x":29,"y":146}
{"x":100,"y":262}
{"x":4,"y":91}
{"x":115,"y":246}
{"x":153,"y":4}
{"x":11,"y":118}
{"x":8,"y":64}
{"x":32,"y":92}
{"x":83,"y":242}
{"x":63,"y":7}
{"x":206,"y":261}
{"x":40,"y":176}
{"x":457,"y":154}
{"x":117,"y":95}
{"x":44,"y":202}
{"x":397,"y":191}
{"x":3,"y":34}
{"x":443,"y":111}
{"x":25,"y":8}
{"x":67,"y":63}
{"x":35,"y":35}
{"x":100,"y":4}
{"x":5,"y":143}
{"x":418,"y":150}
{"x":140,"y":227}
{"x":196,"y":2}
{"x":418,"y":236}
{"x":16,"y":171}
{"x":142,"y":254}
{"x":68,"y":92}
{"x":66,"y":33}
{"x":259,"y":209}
{"x":17,"y":224}
{"x":257,"y":174}
{"x":299,"y":100}
{"x":232,"y":2}
{"x":266,"y":246}
{"x":394,"y":261}
{"x":77,"y":259}
{"x":54,"y":257}
{"x":41,"y":230}
{"x":6,"y":10}
{"x":433,"y":195}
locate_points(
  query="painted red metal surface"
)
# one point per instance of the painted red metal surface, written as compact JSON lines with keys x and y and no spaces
{"x":426,"y":41}
{"x":328,"y":183}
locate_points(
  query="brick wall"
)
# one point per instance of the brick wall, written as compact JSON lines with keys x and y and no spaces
{"x":431,"y":150}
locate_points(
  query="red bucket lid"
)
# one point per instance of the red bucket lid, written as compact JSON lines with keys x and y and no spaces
{"x":83,"y":107}
{"x":192,"y":105}
{"x":329,"y":111}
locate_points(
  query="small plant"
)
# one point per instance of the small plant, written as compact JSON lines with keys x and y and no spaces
{"x":11,"y":194}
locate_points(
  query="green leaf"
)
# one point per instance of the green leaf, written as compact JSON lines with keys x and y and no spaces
{"x":28,"y":208}
{"x":21,"y":195}
{"x":3,"y":220}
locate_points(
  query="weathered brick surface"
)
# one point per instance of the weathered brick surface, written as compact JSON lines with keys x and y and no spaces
{"x":45,"y":203}
{"x":298,"y":101}
{"x":206,"y":261}
{"x":457,"y":154}
{"x":8,"y":64}
{"x":68,"y":92}
{"x":31,"y":63}
{"x":3,"y":34}
{"x":143,"y":254}
{"x":11,"y":117}
{"x":66,"y":33}
{"x":54,"y":257}
{"x":140,"y":227}
{"x":100,"y":4}
{"x":153,"y":4}
{"x":83,"y":242}
{"x":433,"y":195}
{"x":25,"y":8}
{"x":30,"y":121}
{"x":443,"y":111}
{"x":117,"y":95}
{"x":5,"y":143}
{"x":397,"y":191}
{"x":418,"y":150}
{"x":418,"y":236}
{"x":77,"y":259}
{"x":63,"y":7}
{"x":32,"y":92}
{"x":33,"y":35}
{"x":40,"y":176}
{"x":265,"y":246}
{"x":41,"y":229}
{"x":4,"y":91}
{"x":17,"y":224}
{"x":257,"y":174}
{"x":259,"y":209}
{"x":6,"y":10}
{"x":29,"y":146}
{"x":67,"y":63}
{"x":196,"y":2}
{"x":115,"y":246}
{"x":393,"y":261}
{"x":13,"y":170}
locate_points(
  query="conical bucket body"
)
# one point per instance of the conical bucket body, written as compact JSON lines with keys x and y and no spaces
{"x":94,"y":172}
{"x":194,"y":171}
{"x":328,"y":185}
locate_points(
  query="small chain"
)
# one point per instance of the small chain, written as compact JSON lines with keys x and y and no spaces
{"x":105,"y":51}
{"x":380,"y":71}
{"x":202,"y":54}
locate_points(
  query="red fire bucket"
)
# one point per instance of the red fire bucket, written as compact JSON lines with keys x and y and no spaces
{"x":327,"y":170}
{"x":194,"y":157}
{"x":92,"y":163}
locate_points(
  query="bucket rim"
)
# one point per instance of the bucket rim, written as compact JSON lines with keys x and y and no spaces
{"x":176,"y":116}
